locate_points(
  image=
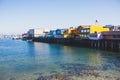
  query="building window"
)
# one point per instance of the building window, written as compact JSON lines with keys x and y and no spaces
{"x":82,"y":31}
{"x":82,"y":35}
{"x":93,"y":35}
{"x":116,"y":36}
{"x":88,"y":30}
{"x":85,"y":35}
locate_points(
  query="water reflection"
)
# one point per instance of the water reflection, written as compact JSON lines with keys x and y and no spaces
{"x":95,"y":59}
{"x":41,"y":52}
{"x":30,"y":48}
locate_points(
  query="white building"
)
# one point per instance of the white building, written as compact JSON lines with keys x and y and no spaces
{"x":36,"y":32}
{"x":113,"y":27}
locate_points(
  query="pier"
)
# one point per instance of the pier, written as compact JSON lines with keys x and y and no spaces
{"x":103,"y":44}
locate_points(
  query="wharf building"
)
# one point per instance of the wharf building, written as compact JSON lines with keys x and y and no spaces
{"x":92,"y":32}
{"x":91,"y":36}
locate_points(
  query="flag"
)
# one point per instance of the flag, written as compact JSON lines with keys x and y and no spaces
{"x":96,"y":21}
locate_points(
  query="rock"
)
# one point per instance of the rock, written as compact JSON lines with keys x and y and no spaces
{"x":106,"y":67}
{"x":118,"y":79}
{"x":12,"y":78}
{"x":41,"y":78}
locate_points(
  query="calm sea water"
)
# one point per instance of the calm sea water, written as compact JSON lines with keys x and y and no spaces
{"x":22,"y":60}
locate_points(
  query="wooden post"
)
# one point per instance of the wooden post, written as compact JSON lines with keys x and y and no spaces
{"x":98,"y":44}
{"x":119,"y":46}
{"x":105,"y":45}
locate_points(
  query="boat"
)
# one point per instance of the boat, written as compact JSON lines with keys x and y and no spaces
{"x":16,"y":38}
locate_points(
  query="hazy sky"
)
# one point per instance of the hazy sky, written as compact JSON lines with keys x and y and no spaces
{"x":17,"y":16}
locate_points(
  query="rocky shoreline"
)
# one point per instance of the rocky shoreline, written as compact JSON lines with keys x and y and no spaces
{"x":80,"y":72}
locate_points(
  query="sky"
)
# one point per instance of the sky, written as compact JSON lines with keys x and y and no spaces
{"x":18,"y":16}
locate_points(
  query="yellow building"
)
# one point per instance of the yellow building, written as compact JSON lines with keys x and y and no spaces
{"x":97,"y":29}
{"x":83,"y":31}
{"x":90,"y":29}
{"x":65,"y":35}
{"x":69,"y":33}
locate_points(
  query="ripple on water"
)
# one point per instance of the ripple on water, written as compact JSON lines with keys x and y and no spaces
{"x":23,"y":60}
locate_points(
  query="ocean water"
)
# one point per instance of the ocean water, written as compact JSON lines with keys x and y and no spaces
{"x":22,"y":60}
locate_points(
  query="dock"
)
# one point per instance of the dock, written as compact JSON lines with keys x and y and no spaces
{"x":103,"y":44}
